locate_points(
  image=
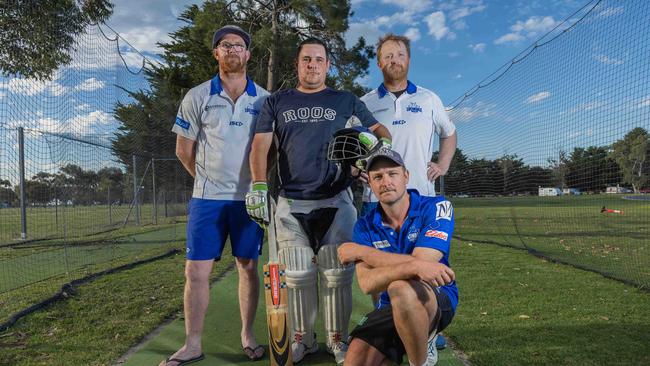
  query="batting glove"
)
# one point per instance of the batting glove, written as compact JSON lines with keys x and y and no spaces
{"x":370,"y":142}
{"x":257,"y":203}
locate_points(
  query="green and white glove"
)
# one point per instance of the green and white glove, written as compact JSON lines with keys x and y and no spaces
{"x":257,"y":203}
{"x":370,"y":142}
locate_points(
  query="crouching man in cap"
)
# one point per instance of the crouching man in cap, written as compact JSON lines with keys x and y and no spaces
{"x":401,"y":250}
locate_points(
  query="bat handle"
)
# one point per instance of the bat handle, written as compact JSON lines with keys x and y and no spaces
{"x":272,"y":242}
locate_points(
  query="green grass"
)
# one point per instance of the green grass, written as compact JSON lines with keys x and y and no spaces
{"x":570,"y":229}
{"x":75,"y":221}
{"x":35,"y":271}
{"x":516,"y":309}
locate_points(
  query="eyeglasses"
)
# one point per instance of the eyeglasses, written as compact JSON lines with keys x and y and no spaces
{"x":230,"y":46}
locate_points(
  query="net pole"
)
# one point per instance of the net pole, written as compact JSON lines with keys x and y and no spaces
{"x":23,"y":199}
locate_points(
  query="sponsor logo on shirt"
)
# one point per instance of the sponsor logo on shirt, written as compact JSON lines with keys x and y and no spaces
{"x":444,"y":210}
{"x":414,"y":108}
{"x":399,"y":122}
{"x":184,"y":124}
{"x":381,"y":244}
{"x":236,"y":123}
{"x":250,"y":109}
{"x":219,"y":106}
{"x":307,"y":115}
{"x":413,"y":235}
{"x":436,"y":234}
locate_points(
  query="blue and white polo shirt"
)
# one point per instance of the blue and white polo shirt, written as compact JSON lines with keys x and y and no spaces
{"x":413,"y":120}
{"x":223,"y":132}
{"x":429,"y":224}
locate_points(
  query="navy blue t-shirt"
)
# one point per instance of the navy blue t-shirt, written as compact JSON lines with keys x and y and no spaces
{"x":304,"y":123}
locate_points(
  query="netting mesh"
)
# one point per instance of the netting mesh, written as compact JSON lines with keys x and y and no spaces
{"x":88,"y":206}
{"x":555,"y":151}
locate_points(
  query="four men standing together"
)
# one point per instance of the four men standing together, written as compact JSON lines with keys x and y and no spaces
{"x":229,"y":119}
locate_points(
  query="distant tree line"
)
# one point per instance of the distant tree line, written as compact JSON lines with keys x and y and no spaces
{"x":590,"y":169}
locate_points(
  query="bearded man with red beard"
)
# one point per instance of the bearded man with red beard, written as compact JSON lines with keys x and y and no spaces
{"x":413,"y":115}
{"x":214,"y":126}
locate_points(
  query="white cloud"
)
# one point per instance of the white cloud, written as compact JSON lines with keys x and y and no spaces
{"x":538,"y":97}
{"x":27,"y":86}
{"x":411,"y":5}
{"x":437,"y":28}
{"x":413,"y":34}
{"x":464,"y":11}
{"x":645,"y":102}
{"x":533,"y":27}
{"x":90,"y":85}
{"x":470,"y":112}
{"x":145,"y":38}
{"x":82,"y":107}
{"x":458,"y":76}
{"x":608,"y":60}
{"x":477,"y":48}
{"x":611,"y":11}
{"x":372,"y":29}
{"x":460,"y":24}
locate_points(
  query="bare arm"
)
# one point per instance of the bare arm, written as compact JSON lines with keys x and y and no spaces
{"x":447,"y":151}
{"x":380,"y":131}
{"x":259,"y":151}
{"x":353,"y":252}
{"x":375,"y":280}
{"x":186,"y":153}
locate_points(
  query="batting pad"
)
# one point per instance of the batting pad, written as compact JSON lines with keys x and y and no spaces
{"x":301,"y":282}
{"x":336,"y":293}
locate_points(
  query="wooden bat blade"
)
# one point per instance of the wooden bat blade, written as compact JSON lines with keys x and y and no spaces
{"x":275,"y":291}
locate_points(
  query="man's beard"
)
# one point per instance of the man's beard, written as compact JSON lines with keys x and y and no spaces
{"x":395,"y":73}
{"x":232,"y":64}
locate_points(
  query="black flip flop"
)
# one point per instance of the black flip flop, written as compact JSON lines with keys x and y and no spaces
{"x":185,"y":362}
{"x":252,"y":354}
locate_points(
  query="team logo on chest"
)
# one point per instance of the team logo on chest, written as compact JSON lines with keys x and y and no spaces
{"x":413,"y":235}
{"x":414,"y":108}
{"x":251,"y":110}
{"x":307,"y":115}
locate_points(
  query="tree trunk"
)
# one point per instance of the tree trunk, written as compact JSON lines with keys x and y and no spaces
{"x":271,"y":79}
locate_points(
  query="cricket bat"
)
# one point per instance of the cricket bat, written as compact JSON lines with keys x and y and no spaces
{"x":277,"y":302}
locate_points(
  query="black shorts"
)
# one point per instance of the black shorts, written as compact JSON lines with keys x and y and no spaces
{"x":377,"y":328}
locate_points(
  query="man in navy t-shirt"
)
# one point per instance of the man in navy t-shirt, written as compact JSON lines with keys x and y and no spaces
{"x":401,"y":251}
{"x":315,"y":213}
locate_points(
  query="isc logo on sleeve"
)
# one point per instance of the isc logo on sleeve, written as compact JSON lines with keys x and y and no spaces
{"x":444,"y":210}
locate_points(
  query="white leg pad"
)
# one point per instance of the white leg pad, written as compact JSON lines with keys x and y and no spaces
{"x":336,"y":293}
{"x":300,"y":270}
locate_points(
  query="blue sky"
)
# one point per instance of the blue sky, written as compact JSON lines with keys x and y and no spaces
{"x":456,"y":43}
{"x":588,"y":87}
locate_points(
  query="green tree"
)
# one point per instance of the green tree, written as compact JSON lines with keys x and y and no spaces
{"x":7,"y":195}
{"x":36,"y":37}
{"x":509,"y":167}
{"x":559,"y":168}
{"x":632,"y":154}
{"x":592,"y":169}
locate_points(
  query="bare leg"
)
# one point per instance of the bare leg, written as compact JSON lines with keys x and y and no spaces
{"x":249,"y":289}
{"x":414,"y":308}
{"x":361,"y":353}
{"x":196,"y":299}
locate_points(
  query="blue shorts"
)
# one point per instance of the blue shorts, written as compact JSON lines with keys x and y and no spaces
{"x":367,"y":207}
{"x":212,"y":221}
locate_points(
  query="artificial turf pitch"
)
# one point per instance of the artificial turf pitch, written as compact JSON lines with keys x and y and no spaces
{"x":221,"y":343}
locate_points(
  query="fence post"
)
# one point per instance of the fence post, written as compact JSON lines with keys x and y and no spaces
{"x":110,"y":206}
{"x":442,"y":185}
{"x":136,"y":188}
{"x":154,"y":198}
{"x":23,"y":199}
